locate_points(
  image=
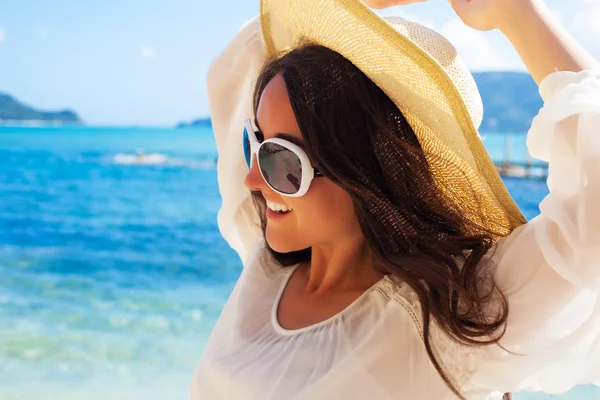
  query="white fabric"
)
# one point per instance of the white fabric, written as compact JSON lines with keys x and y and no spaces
{"x":549,"y":269}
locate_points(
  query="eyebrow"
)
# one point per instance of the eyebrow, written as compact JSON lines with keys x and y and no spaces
{"x":282,"y":135}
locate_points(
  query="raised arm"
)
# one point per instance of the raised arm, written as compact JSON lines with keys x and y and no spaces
{"x":543,"y":44}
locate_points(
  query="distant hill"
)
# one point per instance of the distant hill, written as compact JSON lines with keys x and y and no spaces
{"x":197,"y":123}
{"x":510,"y":100}
{"x":12,"y":111}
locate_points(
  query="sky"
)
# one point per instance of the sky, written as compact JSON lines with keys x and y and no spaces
{"x":134,"y":62}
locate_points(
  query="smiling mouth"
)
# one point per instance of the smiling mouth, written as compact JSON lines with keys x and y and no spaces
{"x":281,"y":212}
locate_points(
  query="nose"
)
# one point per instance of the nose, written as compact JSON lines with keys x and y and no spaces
{"x":254,"y":180}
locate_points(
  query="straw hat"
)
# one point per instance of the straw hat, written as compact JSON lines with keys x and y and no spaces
{"x":424,"y":76}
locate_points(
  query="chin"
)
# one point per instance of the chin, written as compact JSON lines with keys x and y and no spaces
{"x":282,"y":243}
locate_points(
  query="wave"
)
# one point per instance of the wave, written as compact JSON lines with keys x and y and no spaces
{"x":158,"y":159}
{"x":143,"y":159}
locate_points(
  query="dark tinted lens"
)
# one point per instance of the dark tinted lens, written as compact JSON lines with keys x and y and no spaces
{"x":247,"y":147}
{"x":280,"y":167}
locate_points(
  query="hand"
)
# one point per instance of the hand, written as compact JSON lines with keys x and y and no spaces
{"x":379,"y":4}
{"x":485,"y":15}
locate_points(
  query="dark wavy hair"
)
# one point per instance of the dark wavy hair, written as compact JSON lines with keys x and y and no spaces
{"x":357,"y":137}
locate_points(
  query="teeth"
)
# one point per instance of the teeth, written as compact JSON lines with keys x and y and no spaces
{"x":277,"y":206}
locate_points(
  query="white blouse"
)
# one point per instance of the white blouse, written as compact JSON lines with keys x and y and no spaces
{"x":549,"y":270}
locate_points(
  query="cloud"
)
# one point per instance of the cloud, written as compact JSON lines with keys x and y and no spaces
{"x":397,"y":12}
{"x":2,"y":35}
{"x":147,"y":51}
{"x":426,"y":22}
{"x":557,"y":14}
{"x":588,"y":16}
{"x":476,"y":49}
{"x":42,"y":32}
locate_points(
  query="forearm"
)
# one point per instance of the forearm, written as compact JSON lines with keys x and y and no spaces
{"x":543,"y":44}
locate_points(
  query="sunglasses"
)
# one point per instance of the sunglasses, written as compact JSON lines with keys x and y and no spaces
{"x":284,"y":166}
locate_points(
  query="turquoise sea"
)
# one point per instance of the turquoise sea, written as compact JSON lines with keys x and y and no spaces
{"x":112,"y":268}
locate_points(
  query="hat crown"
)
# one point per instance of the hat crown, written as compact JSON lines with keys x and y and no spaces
{"x":446,"y":55}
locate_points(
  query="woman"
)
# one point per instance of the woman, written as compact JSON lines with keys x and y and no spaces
{"x":383,"y":257}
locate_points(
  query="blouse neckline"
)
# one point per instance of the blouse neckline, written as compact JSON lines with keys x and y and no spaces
{"x":287,"y":332}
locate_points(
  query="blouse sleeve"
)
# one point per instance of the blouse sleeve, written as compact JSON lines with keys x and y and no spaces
{"x":549,"y":268}
{"x":230,"y":81}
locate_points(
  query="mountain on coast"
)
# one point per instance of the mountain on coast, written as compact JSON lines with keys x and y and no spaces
{"x":197,"y":123}
{"x":14,"y":112}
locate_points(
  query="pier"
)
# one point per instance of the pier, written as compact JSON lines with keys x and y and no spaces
{"x":529,"y":169}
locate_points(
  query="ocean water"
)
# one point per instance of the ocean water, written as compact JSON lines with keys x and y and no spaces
{"x":112,"y":268}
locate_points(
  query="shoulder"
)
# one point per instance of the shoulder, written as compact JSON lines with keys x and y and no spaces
{"x":400,"y":297}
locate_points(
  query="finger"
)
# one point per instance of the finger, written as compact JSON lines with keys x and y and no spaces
{"x":458,"y":5}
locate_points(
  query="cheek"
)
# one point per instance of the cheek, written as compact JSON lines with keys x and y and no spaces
{"x":328,"y":211}
{"x":324,"y":214}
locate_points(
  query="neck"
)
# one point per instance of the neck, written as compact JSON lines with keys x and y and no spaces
{"x":341,"y":266}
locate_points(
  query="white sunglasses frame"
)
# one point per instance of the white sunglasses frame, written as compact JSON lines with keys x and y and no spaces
{"x":308,"y":171}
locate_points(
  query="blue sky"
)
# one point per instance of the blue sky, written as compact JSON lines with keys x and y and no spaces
{"x":133,"y":62}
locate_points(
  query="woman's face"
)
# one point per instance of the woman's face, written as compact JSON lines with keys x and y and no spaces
{"x":325,"y":214}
